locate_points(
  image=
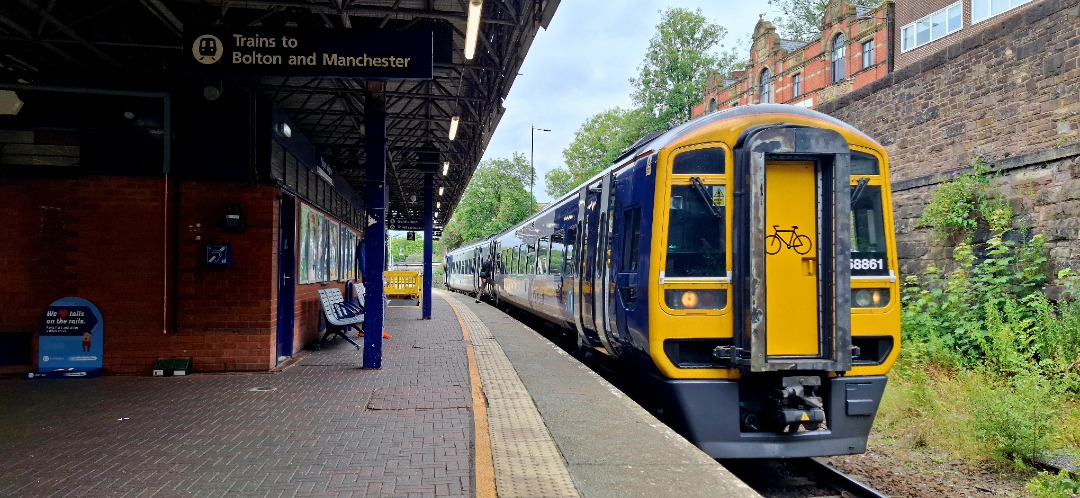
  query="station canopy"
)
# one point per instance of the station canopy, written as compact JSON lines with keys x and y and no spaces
{"x":140,"y":44}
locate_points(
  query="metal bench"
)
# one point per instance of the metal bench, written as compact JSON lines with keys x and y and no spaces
{"x":340,"y":315}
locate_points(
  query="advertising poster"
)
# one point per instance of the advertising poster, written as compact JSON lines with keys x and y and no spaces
{"x":321,"y":250}
{"x":348,"y":248}
{"x":70,"y":344}
{"x":305,"y":244}
{"x":334,"y":241}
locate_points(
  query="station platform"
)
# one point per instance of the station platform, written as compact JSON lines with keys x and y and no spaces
{"x":470,"y":403}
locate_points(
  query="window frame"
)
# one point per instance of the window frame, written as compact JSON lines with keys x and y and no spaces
{"x":1013,"y":4}
{"x":908,"y":44}
{"x":796,"y":84}
{"x":837,"y":59}
{"x":868,"y":54}
{"x":764,"y":86}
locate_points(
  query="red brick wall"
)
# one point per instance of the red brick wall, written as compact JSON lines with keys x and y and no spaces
{"x":811,"y":62}
{"x":111,"y":240}
{"x":229,"y":313}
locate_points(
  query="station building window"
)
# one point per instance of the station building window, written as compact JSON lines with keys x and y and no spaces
{"x":796,"y":84}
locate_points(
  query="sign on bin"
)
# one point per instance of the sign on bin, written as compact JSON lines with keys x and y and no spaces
{"x":70,"y":344}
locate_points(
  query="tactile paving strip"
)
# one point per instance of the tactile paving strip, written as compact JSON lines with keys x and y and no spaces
{"x":527,"y":461}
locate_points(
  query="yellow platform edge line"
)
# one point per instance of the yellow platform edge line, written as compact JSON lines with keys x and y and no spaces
{"x":484,"y":465}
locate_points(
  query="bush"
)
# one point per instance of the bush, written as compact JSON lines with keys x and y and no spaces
{"x":1014,"y":354}
{"x":1016,"y":420}
{"x":965,"y":203}
{"x":1060,"y":485}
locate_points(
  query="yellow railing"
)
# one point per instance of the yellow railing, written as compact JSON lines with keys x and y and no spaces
{"x":402,"y":284}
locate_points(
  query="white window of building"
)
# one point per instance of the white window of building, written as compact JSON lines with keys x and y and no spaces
{"x":937,"y":25}
{"x":796,"y":84}
{"x":712,"y":105}
{"x":982,"y":10}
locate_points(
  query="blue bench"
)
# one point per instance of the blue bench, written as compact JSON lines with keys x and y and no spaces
{"x":340,"y":314}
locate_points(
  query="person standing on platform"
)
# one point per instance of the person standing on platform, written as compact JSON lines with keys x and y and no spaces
{"x":485,"y":277}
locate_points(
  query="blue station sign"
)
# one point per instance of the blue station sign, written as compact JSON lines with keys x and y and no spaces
{"x":70,"y":343}
{"x":294,"y":52}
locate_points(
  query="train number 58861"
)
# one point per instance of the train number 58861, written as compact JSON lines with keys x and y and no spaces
{"x":867,"y":264}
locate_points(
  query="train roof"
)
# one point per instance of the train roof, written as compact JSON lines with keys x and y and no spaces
{"x":659,"y":139}
{"x":662,"y":139}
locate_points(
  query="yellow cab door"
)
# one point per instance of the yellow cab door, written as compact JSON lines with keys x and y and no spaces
{"x":791,"y":249}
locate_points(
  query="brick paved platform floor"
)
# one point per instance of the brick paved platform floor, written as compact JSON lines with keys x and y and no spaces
{"x":326,"y":427}
{"x":322,"y":427}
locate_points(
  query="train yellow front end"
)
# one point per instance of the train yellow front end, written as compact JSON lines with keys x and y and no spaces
{"x":775,"y":313}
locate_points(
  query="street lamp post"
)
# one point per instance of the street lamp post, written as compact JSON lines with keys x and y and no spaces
{"x":532,"y":165}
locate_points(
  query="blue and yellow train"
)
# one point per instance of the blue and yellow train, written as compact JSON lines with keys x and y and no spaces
{"x":744,"y":263}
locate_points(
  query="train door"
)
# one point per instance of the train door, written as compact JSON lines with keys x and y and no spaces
{"x":475,"y":270}
{"x":791,"y":250}
{"x":494,"y":250}
{"x":791,"y":306}
{"x":625,"y":252}
{"x":601,"y":277}
{"x":589,"y":234}
{"x":577,"y":261}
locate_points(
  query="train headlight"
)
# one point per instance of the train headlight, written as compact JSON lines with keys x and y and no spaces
{"x":869,"y":298}
{"x":697,"y":299}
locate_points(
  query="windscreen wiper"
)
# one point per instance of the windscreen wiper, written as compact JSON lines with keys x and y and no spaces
{"x":699,"y":186}
{"x":859,"y":188}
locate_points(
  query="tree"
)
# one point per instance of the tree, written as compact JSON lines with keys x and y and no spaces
{"x":596,"y":145}
{"x":412,"y":251}
{"x":677,"y":63}
{"x":801,"y":19}
{"x":496,"y":198}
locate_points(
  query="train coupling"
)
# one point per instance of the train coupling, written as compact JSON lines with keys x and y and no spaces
{"x":799,"y":403}
{"x":793,"y":404}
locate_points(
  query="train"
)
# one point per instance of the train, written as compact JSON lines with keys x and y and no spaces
{"x":742,"y":263}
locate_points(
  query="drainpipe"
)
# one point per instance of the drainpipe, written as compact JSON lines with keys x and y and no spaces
{"x":890,"y":35}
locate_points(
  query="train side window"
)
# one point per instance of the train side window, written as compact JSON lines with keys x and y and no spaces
{"x":868,"y":244}
{"x":699,"y":162}
{"x":697,"y":228}
{"x":864,"y":164}
{"x":542,"y":248}
{"x":631,"y":239}
{"x":530,"y":259}
{"x":557,"y":251}
{"x":520,"y":264}
{"x":571,"y":239}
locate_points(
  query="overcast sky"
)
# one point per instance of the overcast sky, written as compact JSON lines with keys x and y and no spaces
{"x":582,"y":65}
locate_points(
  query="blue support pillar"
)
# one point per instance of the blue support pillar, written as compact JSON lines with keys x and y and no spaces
{"x":375,"y":231}
{"x":429,"y":224}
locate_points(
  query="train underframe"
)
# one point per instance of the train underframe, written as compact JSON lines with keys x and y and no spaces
{"x":789,"y":415}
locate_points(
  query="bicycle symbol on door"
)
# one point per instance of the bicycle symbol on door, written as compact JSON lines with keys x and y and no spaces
{"x":800,"y":243}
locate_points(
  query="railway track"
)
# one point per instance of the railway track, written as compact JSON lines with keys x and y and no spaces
{"x":772,"y":478}
{"x":798,"y":477}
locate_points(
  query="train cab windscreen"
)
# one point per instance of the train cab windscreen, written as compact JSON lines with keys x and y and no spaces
{"x":696,"y":245}
{"x":868,"y":245}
